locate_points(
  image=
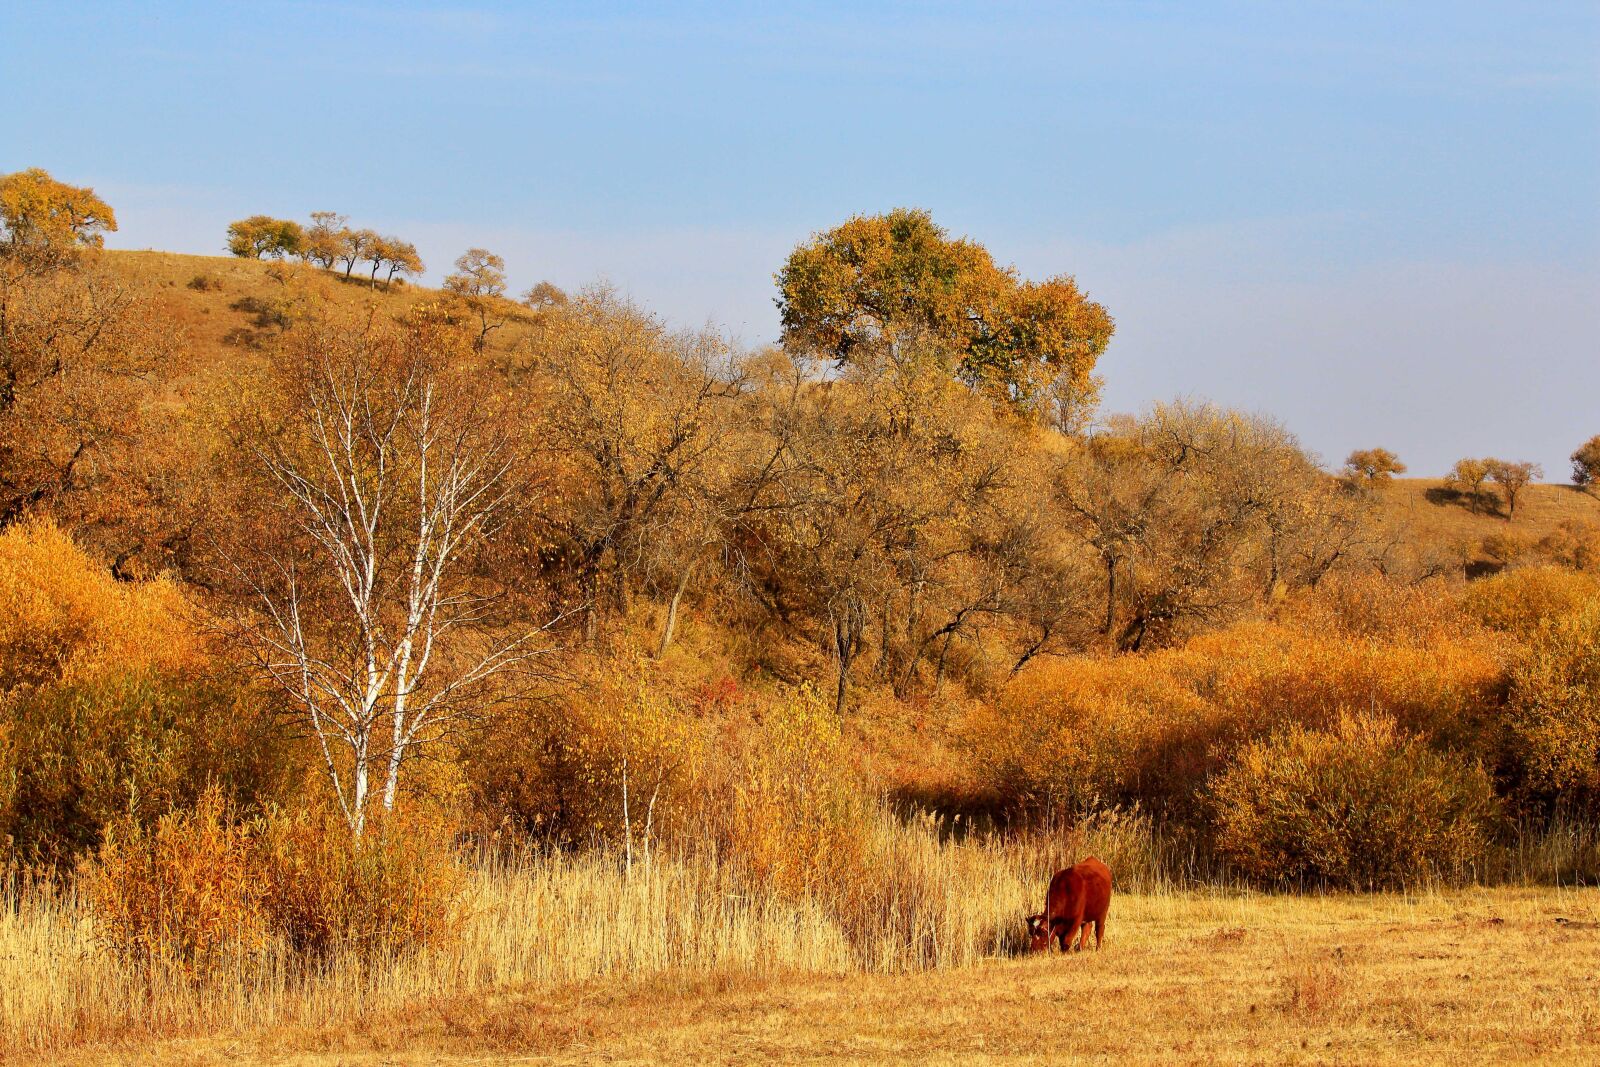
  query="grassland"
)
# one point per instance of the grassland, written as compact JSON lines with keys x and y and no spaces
{"x":1431,"y":514}
{"x":1503,"y":976}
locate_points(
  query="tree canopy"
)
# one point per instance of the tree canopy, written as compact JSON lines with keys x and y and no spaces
{"x":40,"y":216}
{"x":877,"y":279}
{"x":262,"y":236}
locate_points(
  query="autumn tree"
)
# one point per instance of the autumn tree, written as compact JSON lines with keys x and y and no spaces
{"x":76,"y":347}
{"x":324,"y":238}
{"x":1196,"y":513}
{"x":401,"y":258}
{"x":1513,"y":477}
{"x":633,"y":417}
{"x":1467,"y":477}
{"x":867,"y":283}
{"x":386,"y":469}
{"x":1586,"y":464}
{"x":480,"y":282}
{"x":45,"y":224}
{"x":261,"y":236}
{"x":354,"y":246}
{"x":543,"y":296}
{"x":1370,"y":468}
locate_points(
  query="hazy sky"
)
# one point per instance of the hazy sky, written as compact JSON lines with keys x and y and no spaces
{"x":1379,"y":222}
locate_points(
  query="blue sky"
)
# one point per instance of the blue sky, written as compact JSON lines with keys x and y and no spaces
{"x":1379,"y":222}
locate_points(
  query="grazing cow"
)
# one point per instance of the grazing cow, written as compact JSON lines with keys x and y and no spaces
{"x":1078,"y":898}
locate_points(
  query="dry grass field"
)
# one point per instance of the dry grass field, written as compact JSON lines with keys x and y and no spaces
{"x":1499,"y":976}
{"x":1432,"y":515}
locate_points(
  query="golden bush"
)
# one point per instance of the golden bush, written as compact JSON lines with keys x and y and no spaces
{"x":1360,"y":805}
{"x":620,"y":756}
{"x":393,"y":888}
{"x":62,"y":617}
{"x":1554,"y":711}
{"x":786,"y":805}
{"x":187,"y":891}
{"x":1519,"y":602}
{"x":204,"y":886}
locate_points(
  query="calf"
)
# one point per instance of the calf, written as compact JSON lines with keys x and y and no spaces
{"x":1078,"y":897}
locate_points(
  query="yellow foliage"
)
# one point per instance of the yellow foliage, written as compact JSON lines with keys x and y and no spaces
{"x":204,"y":887}
{"x":1554,"y":713}
{"x":1359,"y":805}
{"x":1519,"y":602}
{"x":63,"y":618}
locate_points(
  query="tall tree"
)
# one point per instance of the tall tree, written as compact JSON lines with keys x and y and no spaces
{"x":392,"y":470}
{"x":1467,"y":477}
{"x":354,"y":247}
{"x":480,"y":282}
{"x":1513,"y":477}
{"x":324,"y":238}
{"x":401,"y":258}
{"x":876,"y":279}
{"x":1367,"y":469}
{"x":45,"y":223}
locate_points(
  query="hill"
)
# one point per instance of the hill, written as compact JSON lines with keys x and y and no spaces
{"x":1432,"y":515}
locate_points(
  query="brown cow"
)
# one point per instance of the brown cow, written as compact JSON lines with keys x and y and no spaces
{"x":1078,"y":897}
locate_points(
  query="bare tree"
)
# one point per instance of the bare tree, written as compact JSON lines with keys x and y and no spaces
{"x":1513,"y":477}
{"x":387,"y":478}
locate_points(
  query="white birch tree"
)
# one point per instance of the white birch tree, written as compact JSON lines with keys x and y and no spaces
{"x":387,"y":476}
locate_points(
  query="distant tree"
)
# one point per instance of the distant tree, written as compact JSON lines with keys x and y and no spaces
{"x":1467,"y":477}
{"x":401,"y":258}
{"x":354,"y":246}
{"x":324,"y":238}
{"x":480,"y":281}
{"x":1513,"y":478}
{"x":376,"y":253}
{"x":1586,"y":465}
{"x":875,"y":281}
{"x":544,"y":296}
{"x":261,"y":236}
{"x":49,"y":223}
{"x":1368,"y":468}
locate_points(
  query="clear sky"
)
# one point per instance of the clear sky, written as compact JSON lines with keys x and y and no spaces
{"x":1379,"y":222}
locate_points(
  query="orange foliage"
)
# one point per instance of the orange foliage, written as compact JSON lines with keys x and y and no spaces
{"x":62,"y":618}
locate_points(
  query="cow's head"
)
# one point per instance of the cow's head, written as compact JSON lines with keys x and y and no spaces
{"x":1038,"y":934}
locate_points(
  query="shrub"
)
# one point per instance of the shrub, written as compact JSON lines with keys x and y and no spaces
{"x":186,"y":891}
{"x":205,"y":283}
{"x":64,"y":618}
{"x":1075,"y":735}
{"x":1554,"y":711}
{"x":557,"y":768}
{"x":394,"y":887}
{"x":786,"y":806}
{"x":1520,"y":602}
{"x":76,"y":756}
{"x":1359,"y":806}
{"x":204,"y":886}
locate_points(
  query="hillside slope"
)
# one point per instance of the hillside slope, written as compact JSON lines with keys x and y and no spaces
{"x":215,"y":300}
{"x":1433,"y":515}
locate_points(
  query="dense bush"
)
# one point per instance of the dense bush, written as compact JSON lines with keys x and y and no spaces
{"x":187,"y":890}
{"x":1519,"y":602}
{"x":1554,"y":711}
{"x":618,"y":756}
{"x":75,"y":756}
{"x":1360,"y":805}
{"x":202,"y":886}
